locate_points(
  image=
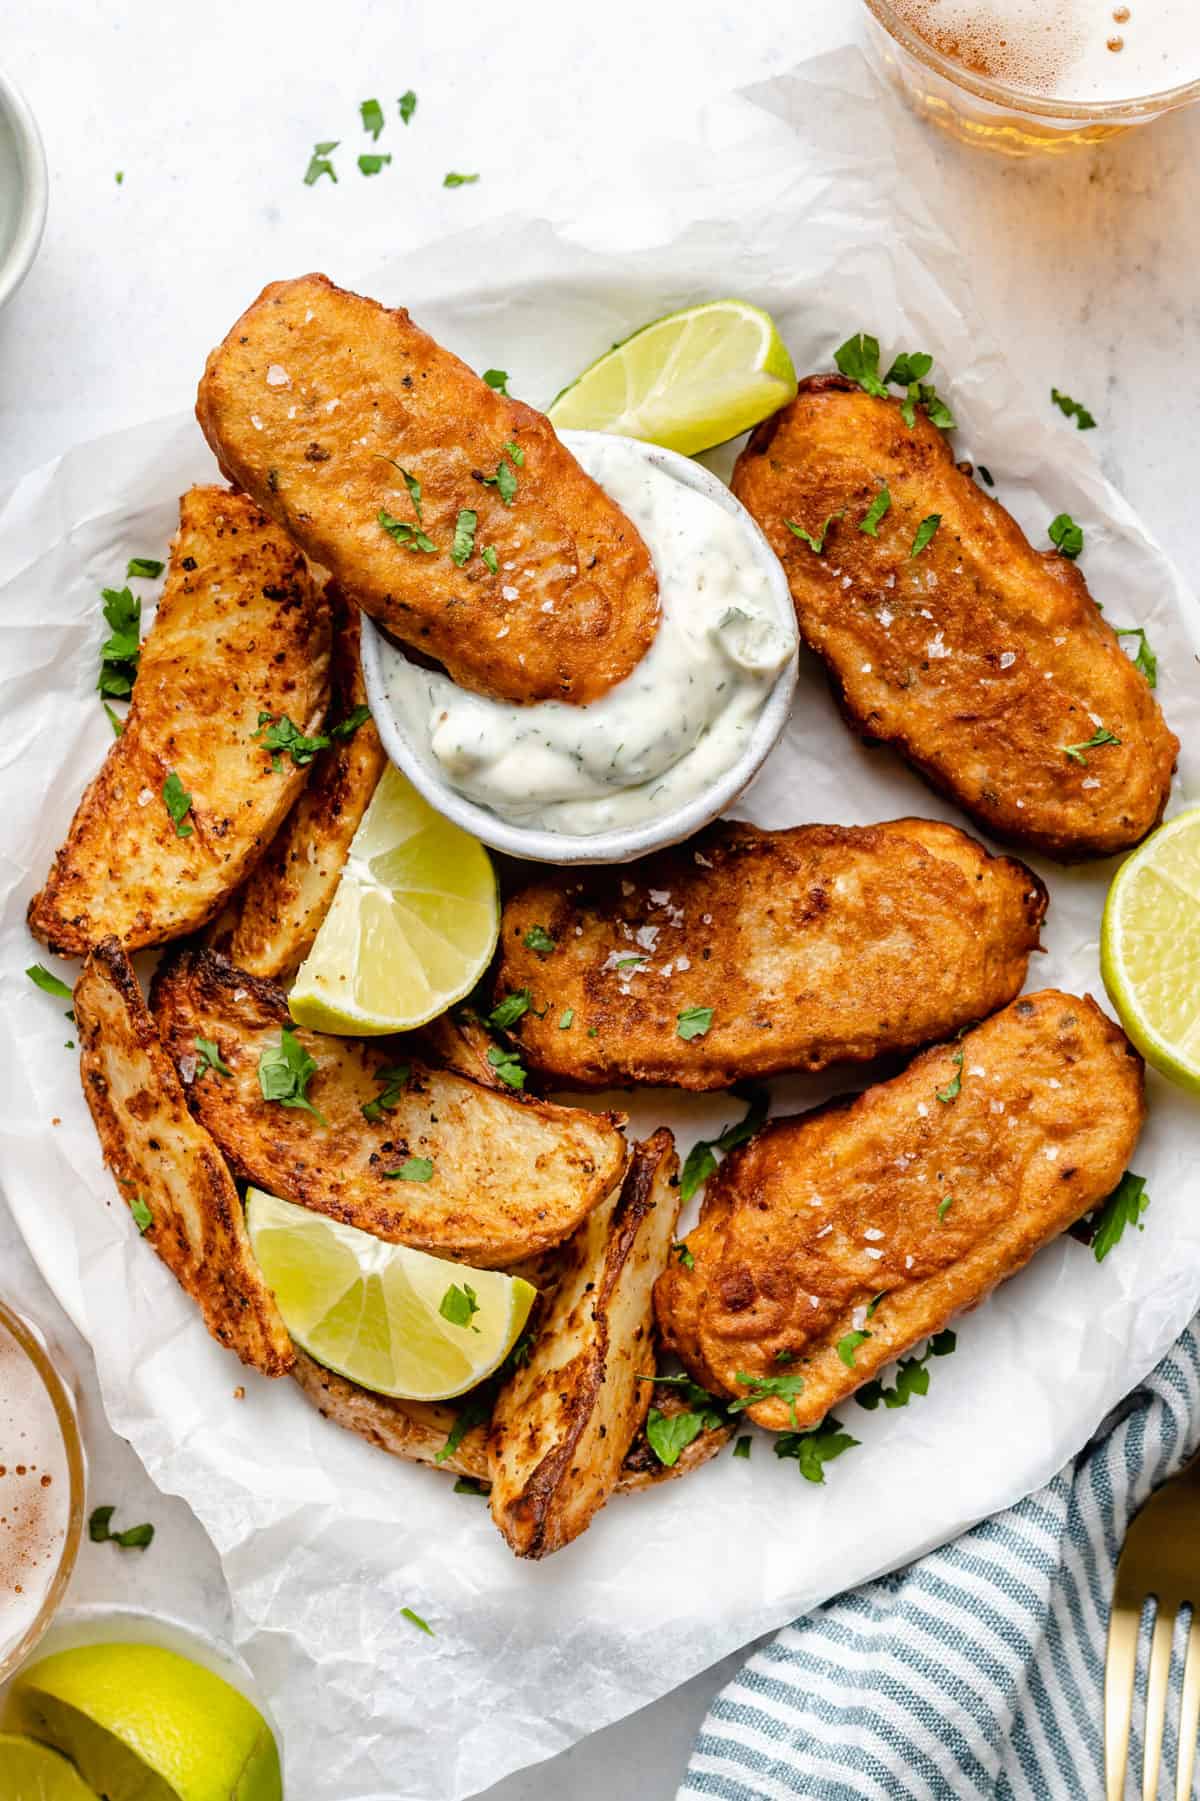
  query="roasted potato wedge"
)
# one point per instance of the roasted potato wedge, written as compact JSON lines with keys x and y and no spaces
{"x":510,"y":1176}
{"x":566,"y":1418}
{"x":280,"y":909}
{"x":162,"y":1158}
{"x":415,"y":1430}
{"x":240,"y":632}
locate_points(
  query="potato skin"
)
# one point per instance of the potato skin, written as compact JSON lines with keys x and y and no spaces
{"x":815,"y":945}
{"x":807,"y":1224}
{"x":980,"y":658}
{"x":311,"y":402}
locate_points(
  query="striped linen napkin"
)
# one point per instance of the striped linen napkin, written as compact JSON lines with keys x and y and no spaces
{"x":979,"y":1670}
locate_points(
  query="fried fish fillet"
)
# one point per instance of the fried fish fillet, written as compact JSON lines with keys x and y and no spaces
{"x":889,"y":1215}
{"x":815,"y":945}
{"x":566,"y":1418}
{"x":240,"y":632}
{"x":509,"y":1176}
{"x":164,"y":1160}
{"x":986,"y":663}
{"x":339,"y":415}
{"x":280,"y":909}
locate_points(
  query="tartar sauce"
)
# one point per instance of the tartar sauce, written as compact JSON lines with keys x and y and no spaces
{"x":673,"y":726}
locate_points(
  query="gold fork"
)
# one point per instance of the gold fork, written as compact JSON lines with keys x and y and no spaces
{"x":1160,"y":1561}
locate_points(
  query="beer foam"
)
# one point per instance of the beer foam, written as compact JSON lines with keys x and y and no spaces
{"x":1076,"y":50}
{"x":35,"y":1492}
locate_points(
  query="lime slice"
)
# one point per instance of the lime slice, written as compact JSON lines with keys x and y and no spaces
{"x":32,"y":1772}
{"x":687,"y":381}
{"x":389,"y":1318}
{"x":413,"y":923}
{"x":144,"y":1724}
{"x":1150,"y":948}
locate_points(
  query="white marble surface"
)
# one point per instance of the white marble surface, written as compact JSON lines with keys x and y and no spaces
{"x":1087,"y":264}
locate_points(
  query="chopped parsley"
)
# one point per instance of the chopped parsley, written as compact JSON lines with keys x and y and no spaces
{"x":504,"y":481}
{"x":143,"y":1219}
{"x":210,"y":1058}
{"x":507,"y":1065}
{"x":497,"y":379}
{"x":953,"y":1087}
{"x":119,"y":177}
{"x":407,"y":104}
{"x":508,"y":1011}
{"x":41,"y":978}
{"x":454,"y":180}
{"x":912,"y":1376}
{"x":464,"y":536}
{"x":416,"y":1620}
{"x":986,"y":475}
{"x":538,"y":939}
{"x":474,"y":1411}
{"x":924,"y":534}
{"x":372,"y":117}
{"x":816,"y":1447}
{"x":410,"y":536}
{"x":392,"y":1079}
{"x":319,"y":164}
{"x":516,"y":453}
{"x":143,"y":569}
{"x":945,"y":1206}
{"x":121,"y":649}
{"x":1073,"y":409}
{"x":869,"y":522}
{"x":178,"y":803}
{"x":468,"y":1485}
{"x":858,"y":359}
{"x":1145,"y":660}
{"x":815,"y":543}
{"x":742,"y":1447}
{"x":670,"y":1433}
{"x":847,"y":1345}
{"x":701,"y":1163}
{"x":685,"y":1257}
{"x":634,"y":962}
{"x":766,"y":1388}
{"x":1100,"y":736}
{"x":566,"y":1019}
{"x":346,"y":728}
{"x":113,"y":720}
{"x":284,"y":1073}
{"x":1066,"y":536}
{"x":460,"y":1305}
{"x":371,"y":162}
{"x":693,"y":1022}
{"x":284,"y":737}
{"x":908,"y":367}
{"x":133,"y":1538}
{"x":1124,"y":1207}
{"x":490,"y":558}
{"x":414,"y":1169}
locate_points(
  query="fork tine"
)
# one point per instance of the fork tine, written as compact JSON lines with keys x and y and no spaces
{"x":1120,"y":1666}
{"x":1156,"y":1700}
{"x":1189,"y":1712}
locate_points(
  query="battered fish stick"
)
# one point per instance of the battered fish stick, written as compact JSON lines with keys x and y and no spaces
{"x":884,"y":1218}
{"x":745,"y":952}
{"x":986,"y":663}
{"x":449,"y":512}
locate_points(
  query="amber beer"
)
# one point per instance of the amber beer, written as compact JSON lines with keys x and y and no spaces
{"x":41,"y":1488}
{"x":1027,"y":75}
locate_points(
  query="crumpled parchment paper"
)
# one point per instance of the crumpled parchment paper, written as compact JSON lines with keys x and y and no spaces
{"x":808,"y":200}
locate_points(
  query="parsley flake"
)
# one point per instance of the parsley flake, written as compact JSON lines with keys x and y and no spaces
{"x":410,"y":536}
{"x":1145,"y":660}
{"x":693,"y":1022}
{"x":178,"y":803}
{"x":414,"y":1169}
{"x":497,"y":379}
{"x":371,"y":162}
{"x":742,"y":1447}
{"x":210,"y":1058}
{"x":504,"y":481}
{"x":1100,"y":736}
{"x":41,"y":978}
{"x":319,"y":164}
{"x":765,"y":1388}
{"x":475,"y":1410}
{"x":1072,"y":409}
{"x":121,"y":649}
{"x":143,"y":1219}
{"x":869,"y":522}
{"x":460,"y":1305}
{"x":508,"y":1011}
{"x":858,"y":359}
{"x":464,"y":536}
{"x":490,"y":558}
{"x":566,"y":1019}
{"x":1066,"y":536}
{"x":454,"y":180}
{"x":817,"y":543}
{"x":468,"y":1485}
{"x":671,"y":1433}
{"x":847,"y":1345}
{"x":1124,"y":1207}
{"x":912,"y":1376}
{"x":685,"y":1257}
{"x":346,"y":728}
{"x":282,"y":735}
{"x":986,"y":476}
{"x":945,"y":1206}
{"x":113,"y":720}
{"x":700,"y":1163}
{"x":372,"y":117}
{"x":133,"y":1538}
{"x":515,"y":452}
{"x":143,"y":569}
{"x":392,"y":1079}
{"x":507,"y":1065}
{"x":924,"y":534}
{"x":408,"y":105}
{"x":816,"y":1447}
{"x":416,"y":1620}
{"x":538,"y":939}
{"x":284,"y":1073}
{"x":954,"y":1086}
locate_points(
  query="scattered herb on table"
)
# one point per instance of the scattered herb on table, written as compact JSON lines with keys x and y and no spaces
{"x":416,"y":1620}
{"x":370,"y":162}
{"x":497,"y":379}
{"x":454,"y":180}
{"x":1066,"y":536}
{"x":742,"y":1447}
{"x":408,"y":105}
{"x":121,"y":649}
{"x":372,"y":117}
{"x":284,"y":1073}
{"x":178,"y":803}
{"x":1124,"y":1207}
{"x":986,"y":475}
{"x":42,"y":978}
{"x":1073,"y":409}
{"x":469,"y":1485}
{"x":319,"y":164}
{"x":701,"y":1163}
{"x":143,"y":569}
{"x":912,"y":1376}
{"x":816,"y":1447}
{"x":113,"y":720}
{"x":858,"y":360}
{"x":1145,"y":660}
{"x":133,"y":1538}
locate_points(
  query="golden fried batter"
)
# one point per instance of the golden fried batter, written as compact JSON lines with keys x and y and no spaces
{"x":816,"y":945}
{"x":320,"y":402}
{"x":925,"y":1192}
{"x":240,"y":631}
{"x":281,"y":907}
{"x":509,"y":1176}
{"x":980,"y":659}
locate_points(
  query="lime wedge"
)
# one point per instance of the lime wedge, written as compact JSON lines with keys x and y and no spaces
{"x":1150,"y":948}
{"x":144,"y":1724}
{"x":687,"y":381}
{"x":32,"y":1772}
{"x":413,"y":923}
{"x":389,"y":1318}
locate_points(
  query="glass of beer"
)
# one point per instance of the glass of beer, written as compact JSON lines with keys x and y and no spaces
{"x":1024,"y":76}
{"x":41,"y":1488}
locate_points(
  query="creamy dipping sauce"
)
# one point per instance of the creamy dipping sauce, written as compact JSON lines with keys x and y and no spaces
{"x":672,"y":727}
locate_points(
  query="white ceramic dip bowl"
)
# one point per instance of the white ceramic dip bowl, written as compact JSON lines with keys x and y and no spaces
{"x":23,"y":189}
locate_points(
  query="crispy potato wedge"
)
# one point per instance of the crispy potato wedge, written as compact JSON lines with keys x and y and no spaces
{"x":565,"y":1420}
{"x":160,"y":1156}
{"x":510,"y":1176}
{"x":280,"y":909}
{"x":240,"y":631}
{"x":414,"y":1430}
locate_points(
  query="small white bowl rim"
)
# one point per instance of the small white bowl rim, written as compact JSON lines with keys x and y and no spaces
{"x":622,"y":844}
{"x":17,"y":261}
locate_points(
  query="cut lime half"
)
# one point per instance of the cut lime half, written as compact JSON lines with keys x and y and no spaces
{"x":688,"y":381}
{"x":1150,"y":948}
{"x":390,"y":1318}
{"x":32,"y":1772}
